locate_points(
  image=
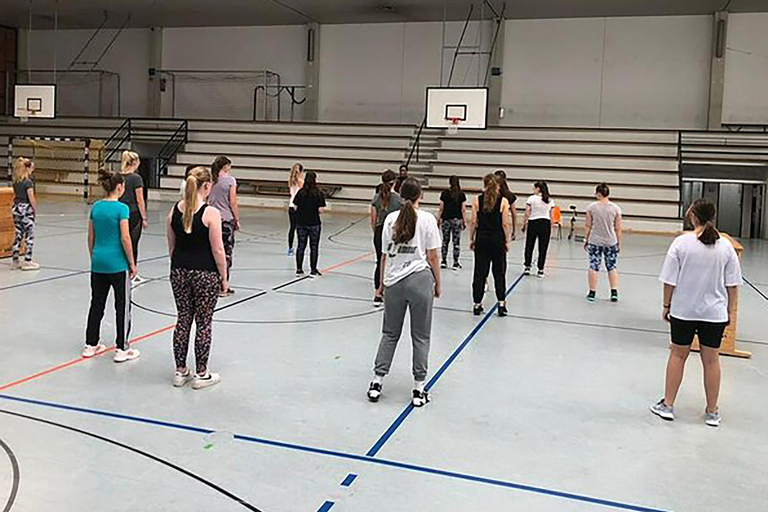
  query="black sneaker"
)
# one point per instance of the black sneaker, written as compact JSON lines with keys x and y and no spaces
{"x":540,"y":274}
{"x":614,"y":295}
{"x":420,"y":398}
{"x":378,"y":301}
{"x":592,"y":296}
{"x":299,"y":273}
{"x":374,"y":392}
{"x":457,"y":266}
{"x":527,"y":271}
{"x":443,"y":264}
{"x":315,"y":273}
{"x":478,"y":310}
{"x":502,"y":310}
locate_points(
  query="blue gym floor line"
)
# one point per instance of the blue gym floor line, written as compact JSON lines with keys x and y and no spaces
{"x":347,"y":456}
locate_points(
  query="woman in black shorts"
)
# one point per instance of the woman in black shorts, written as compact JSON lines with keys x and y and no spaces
{"x":701,"y":275}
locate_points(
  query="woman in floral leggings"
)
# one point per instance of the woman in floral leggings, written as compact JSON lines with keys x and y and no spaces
{"x":198,"y":275}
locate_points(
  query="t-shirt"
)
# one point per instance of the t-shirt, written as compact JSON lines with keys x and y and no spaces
{"x":604,"y":217}
{"x":21,"y":190}
{"x":108,"y":254}
{"x":411,"y":257}
{"x":132,"y":182}
{"x":452,"y":205}
{"x":294,"y":190}
{"x":539,"y":209}
{"x":219,"y":197}
{"x":700,"y":275}
{"x":395,"y":203}
{"x":308,"y":207}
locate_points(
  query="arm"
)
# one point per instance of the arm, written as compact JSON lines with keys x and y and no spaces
{"x":588,"y":229}
{"x":617,"y":226}
{"x":142,"y":205}
{"x":234,"y":206}
{"x":433,"y":259}
{"x":170,"y":235}
{"x":513,"y":211}
{"x":526,"y":216}
{"x":125,"y":239}
{"x":506,"y":223}
{"x":733,"y":297}
{"x":440,"y":212}
{"x":32,"y":198}
{"x":380,"y":291}
{"x":669,"y":290}
{"x":91,"y":238}
{"x":464,"y":215}
{"x":372,"y":216}
{"x":473,"y":224}
{"x":212,"y":219}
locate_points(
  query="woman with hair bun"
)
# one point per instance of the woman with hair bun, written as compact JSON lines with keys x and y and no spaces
{"x":602,"y":240}
{"x":701,"y":276}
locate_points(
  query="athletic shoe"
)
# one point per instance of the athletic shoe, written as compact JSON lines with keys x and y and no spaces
{"x":30,"y":265}
{"x":291,"y":252}
{"x":614,"y":295}
{"x":299,"y":273}
{"x":181,"y":379}
{"x":420,"y":398}
{"x":122,"y":356}
{"x":457,"y":266}
{"x":93,"y":350}
{"x":477,"y":310}
{"x":230,"y":291}
{"x":713,"y":419}
{"x":443,"y":264}
{"x":502,"y":310}
{"x":374,"y":392}
{"x":591,"y":296}
{"x":540,"y":274}
{"x":664,"y":411}
{"x":227,"y":293}
{"x":315,"y":273}
{"x":15,"y":265}
{"x":527,"y":271}
{"x":205,"y":382}
{"x":136,"y":281}
{"x":378,"y":301}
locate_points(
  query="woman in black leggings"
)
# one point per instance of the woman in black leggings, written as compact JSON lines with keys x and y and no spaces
{"x":537,"y":225}
{"x":309,"y":203}
{"x":384,"y":202}
{"x":489,"y":237}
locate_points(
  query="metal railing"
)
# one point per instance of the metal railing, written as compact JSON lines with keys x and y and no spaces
{"x":120,"y":136}
{"x":416,"y":143}
{"x":169,"y":151}
{"x":290,"y":90}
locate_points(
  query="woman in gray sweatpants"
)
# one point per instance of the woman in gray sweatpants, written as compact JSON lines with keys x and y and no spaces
{"x":410,"y":282}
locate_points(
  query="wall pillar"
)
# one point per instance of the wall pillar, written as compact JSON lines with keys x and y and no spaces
{"x":155,"y":96}
{"x":717,"y":71}
{"x":495,"y":79}
{"x":312,"y":72}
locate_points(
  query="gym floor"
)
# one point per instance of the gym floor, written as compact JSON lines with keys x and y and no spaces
{"x":545,"y":410}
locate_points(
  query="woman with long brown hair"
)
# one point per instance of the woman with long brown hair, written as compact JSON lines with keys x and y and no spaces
{"x":489,"y":237}
{"x":384,"y":202}
{"x":310,"y":203}
{"x":295,"y":182}
{"x":411,"y":279}
{"x":451,"y":216}
{"x":537,"y":225}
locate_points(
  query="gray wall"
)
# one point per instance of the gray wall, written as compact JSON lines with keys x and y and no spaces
{"x":746,"y":70}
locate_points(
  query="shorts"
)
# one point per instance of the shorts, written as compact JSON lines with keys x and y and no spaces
{"x":596,"y":254}
{"x":710,"y":333}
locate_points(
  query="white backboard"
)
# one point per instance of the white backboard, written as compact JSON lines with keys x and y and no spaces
{"x":35,"y":101}
{"x":467,"y":104}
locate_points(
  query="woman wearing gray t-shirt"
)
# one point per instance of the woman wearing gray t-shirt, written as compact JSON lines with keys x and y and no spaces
{"x":603,"y":241}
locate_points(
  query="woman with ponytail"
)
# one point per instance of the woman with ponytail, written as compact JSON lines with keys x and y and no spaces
{"x":24,"y":208}
{"x":112,"y":267}
{"x":134,"y":198}
{"x":701,"y":276}
{"x":411,"y":279}
{"x":537,"y":224}
{"x":489,"y":237}
{"x":310,"y":203}
{"x":295,"y":182}
{"x":198,"y":276}
{"x":384,"y":202}
{"x":451,"y":217}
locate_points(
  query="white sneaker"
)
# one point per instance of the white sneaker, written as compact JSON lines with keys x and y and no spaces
{"x":30,"y":265}
{"x":180,"y":379}
{"x":90,"y":351}
{"x":122,"y":356}
{"x":202,"y":382}
{"x":15,"y":265}
{"x":136,"y":281}
{"x":713,"y":419}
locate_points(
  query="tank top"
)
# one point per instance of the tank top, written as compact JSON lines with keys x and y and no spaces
{"x":294,"y":190}
{"x":193,"y":250}
{"x":489,"y":223}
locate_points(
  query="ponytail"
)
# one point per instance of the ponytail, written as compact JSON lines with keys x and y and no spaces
{"x":388,"y":177}
{"x":197,"y":178}
{"x":544,"y":189}
{"x":127,"y":160}
{"x":22,"y":168}
{"x":220,"y":163}
{"x":490,"y":193}
{"x":704,"y":213}
{"x":405,"y":225}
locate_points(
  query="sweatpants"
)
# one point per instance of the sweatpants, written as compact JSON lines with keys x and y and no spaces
{"x":292,"y":215}
{"x":414,"y":293}
{"x":311,"y":233}
{"x":538,"y":230}
{"x":452,"y":228}
{"x":196,"y":293}
{"x":100,"y":286}
{"x":24,"y":224}
{"x":490,"y":254}
{"x":379,"y":253}
{"x":228,"y":237}
{"x":135,"y":226}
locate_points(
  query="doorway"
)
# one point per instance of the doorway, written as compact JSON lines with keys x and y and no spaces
{"x":739,"y":204}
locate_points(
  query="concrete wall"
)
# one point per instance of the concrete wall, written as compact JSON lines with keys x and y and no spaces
{"x":746,"y":70}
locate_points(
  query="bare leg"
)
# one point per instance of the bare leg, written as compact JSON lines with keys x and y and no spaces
{"x":593,"y":276}
{"x":613,"y":278}
{"x":675,"y":369}
{"x":710,"y":358}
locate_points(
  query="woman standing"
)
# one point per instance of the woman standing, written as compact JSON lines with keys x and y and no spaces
{"x":701,"y":276}
{"x":198,"y":275}
{"x":24,"y":207}
{"x":537,"y":224}
{"x":112,"y":267}
{"x":384,"y":202}
{"x":411,"y":278}
{"x":224,"y":198}
{"x":489,"y":237}
{"x":402,"y":175}
{"x":309,"y":205}
{"x":603,"y":240}
{"x":452,"y":215}
{"x":134,"y":198}
{"x":509,"y":196}
{"x":295,"y":182}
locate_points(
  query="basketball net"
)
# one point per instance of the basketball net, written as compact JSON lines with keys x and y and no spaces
{"x":25,"y":118}
{"x":453,"y":128}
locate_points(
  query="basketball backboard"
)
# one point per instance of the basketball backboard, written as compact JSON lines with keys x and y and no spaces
{"x":35,"y":101}
{"x":457,"y":107}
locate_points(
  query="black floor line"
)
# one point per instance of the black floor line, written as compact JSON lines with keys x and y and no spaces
{"x":155,"y":458}
{"x":758,"y":290}
{"x":16,"y":476}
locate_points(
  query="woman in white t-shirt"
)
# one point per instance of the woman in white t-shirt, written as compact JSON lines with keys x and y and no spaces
{"x":411,"y":279}
{"x":537,"y":225}
{"x":295,"y":182}
{"x":701,"y":276}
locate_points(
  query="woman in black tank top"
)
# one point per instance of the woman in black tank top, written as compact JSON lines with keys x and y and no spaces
{"x":489,"y":236}
{"x":198,"y":275}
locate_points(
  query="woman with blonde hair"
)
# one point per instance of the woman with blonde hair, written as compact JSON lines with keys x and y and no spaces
{"x":134,"y":198}
{"x":24,"y":207}
{"x":295,"y":183}
{"x":198,"y":275}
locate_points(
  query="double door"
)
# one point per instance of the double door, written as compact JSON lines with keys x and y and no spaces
{"x":739,"y":204}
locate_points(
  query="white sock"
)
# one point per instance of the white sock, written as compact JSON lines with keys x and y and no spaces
{"x":418,"y":385}
{"x":378,"y":379}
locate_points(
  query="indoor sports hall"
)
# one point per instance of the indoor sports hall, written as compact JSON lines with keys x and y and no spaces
{"x":339,"y":255}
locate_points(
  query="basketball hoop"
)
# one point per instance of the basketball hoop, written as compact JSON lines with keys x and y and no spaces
{"x":453,"y":128}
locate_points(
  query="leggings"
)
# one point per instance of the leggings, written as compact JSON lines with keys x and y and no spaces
{"x":489,"y":253}
{"x":196,"y":293}
{"x":452,"y":228}
{"x":100,"y":286}
{"x":377,"y":246}
{"x":228,"y":237}
{"x":539,"y":229}
{"x":135,"y":226}
{"x":24,"y":222}
{"x":313,"y":234}
{"x":292,"y":230}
